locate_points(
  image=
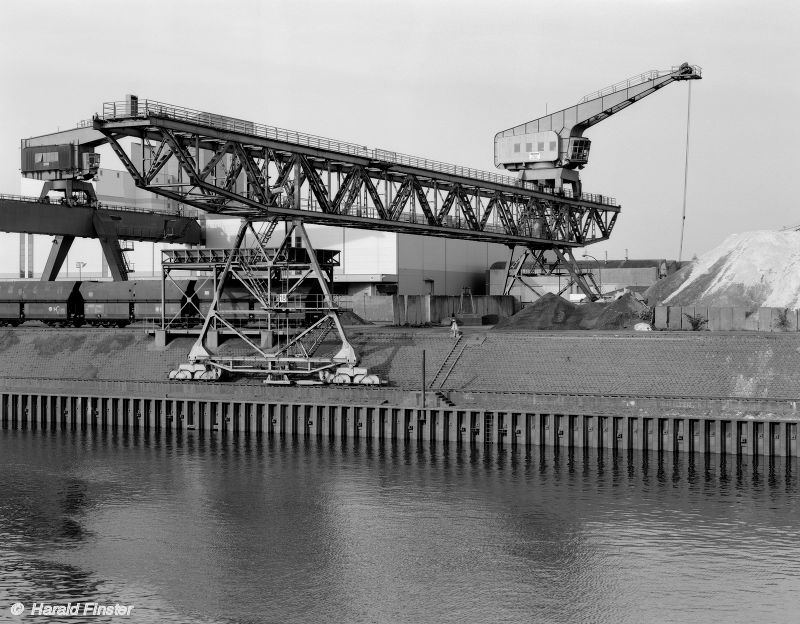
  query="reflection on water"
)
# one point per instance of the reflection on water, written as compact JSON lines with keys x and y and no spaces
{"x":190,"y":529}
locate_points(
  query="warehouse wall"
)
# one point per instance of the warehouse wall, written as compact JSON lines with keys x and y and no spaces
{"x":440,"y":266}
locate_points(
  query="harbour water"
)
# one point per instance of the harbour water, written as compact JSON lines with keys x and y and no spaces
{"x":193,"y":529}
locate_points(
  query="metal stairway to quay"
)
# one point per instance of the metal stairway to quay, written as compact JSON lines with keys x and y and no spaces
{"x":448,"y":364}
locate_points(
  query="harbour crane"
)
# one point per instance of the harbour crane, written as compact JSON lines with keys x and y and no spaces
{"x":551,"y":150}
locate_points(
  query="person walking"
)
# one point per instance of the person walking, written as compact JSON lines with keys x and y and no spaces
{"x":454,"y":327}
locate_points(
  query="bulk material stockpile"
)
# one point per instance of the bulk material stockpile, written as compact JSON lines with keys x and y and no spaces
{"x":551,"y":312}
{"x":748,"y":270}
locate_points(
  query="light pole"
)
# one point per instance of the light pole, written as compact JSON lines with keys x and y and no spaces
{"x":79,"y":266}
{"x":599,"y":273}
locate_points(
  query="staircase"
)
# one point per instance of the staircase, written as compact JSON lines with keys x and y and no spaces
{"x":266,"y":232}
{"x":444,"y":398}
{"x":449,"y":364}
{"x":255,"y":283}
{"x":306,"y":344}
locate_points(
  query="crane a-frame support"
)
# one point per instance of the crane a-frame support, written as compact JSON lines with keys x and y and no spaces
{"x":516,"y":272}
{"x":254,"y":268}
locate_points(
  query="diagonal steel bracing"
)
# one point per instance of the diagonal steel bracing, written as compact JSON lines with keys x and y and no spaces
{"x":290,"y":175}
{"x":273,"y":173}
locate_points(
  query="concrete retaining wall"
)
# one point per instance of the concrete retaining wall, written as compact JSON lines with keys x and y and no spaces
{"x":419,"y":309}
{"x":727,"y":319}
{"x":376,"y":308}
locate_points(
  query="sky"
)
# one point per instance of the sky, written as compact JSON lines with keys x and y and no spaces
{"x":439,"y":78}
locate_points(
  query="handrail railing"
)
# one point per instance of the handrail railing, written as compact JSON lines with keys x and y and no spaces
{"x":152,"y":108}
{"x":634,"y":81}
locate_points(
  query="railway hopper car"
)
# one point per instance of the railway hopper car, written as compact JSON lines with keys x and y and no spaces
{"x":58,"y":304}
{"x":53,"y":303}
{"x":178,"y":307}
{"x":236,"y":301}
{"x":107,"y":304}
{"x":11,"y":303}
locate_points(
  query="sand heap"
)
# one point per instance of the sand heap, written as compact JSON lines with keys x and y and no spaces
{"x":748,"y":270}
{"x":552,"y":312}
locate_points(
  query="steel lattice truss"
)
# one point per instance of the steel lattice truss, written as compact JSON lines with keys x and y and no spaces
{"x":233,"y":167}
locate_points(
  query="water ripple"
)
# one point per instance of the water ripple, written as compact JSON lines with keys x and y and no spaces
{"x":196,"y":530}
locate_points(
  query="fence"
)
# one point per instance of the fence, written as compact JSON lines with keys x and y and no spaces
{"x":727,"y":319}
{"x":419,"y":309}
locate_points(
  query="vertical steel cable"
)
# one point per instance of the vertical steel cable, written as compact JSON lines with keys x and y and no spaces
{"x":685,"y":170}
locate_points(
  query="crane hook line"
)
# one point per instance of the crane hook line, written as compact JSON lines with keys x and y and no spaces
{"x":685,"y":170}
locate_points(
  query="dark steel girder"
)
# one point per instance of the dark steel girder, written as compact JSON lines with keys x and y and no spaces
{"x":380,"y":190}
{"x":252,"y":171}
{"x":220,"y":153}
{"x":160,"y":159}
{"x":152,"y":126}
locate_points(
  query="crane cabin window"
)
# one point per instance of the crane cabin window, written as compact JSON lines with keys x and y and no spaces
{"x":516,"y":147}
{"x":553,"y":146}
{"x":47,"y":158}
{"x":541,"y":146}
{"x":529,"y":147}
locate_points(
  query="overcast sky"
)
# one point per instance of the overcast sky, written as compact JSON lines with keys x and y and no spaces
{"x":439,"y":78}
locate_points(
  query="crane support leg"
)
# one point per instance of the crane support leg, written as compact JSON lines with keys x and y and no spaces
{"x":116,"y":261}
{"x":514,"y":272}
{"x":198,"y":351}
{"x":109,"y":240}
{"x":259,"y":271}
{"x":567,"y":260}
{"x":55,"y":259}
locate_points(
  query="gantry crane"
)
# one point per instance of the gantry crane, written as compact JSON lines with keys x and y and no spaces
{"x":262,"y":175}
{"x":551,"y":150}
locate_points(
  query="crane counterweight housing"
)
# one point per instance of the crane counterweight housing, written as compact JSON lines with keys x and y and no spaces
{"x":550,"y":150}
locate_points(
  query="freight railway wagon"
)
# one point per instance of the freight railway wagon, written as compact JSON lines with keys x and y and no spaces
{"x":107,"y":304}
{"x":73,"y":304}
